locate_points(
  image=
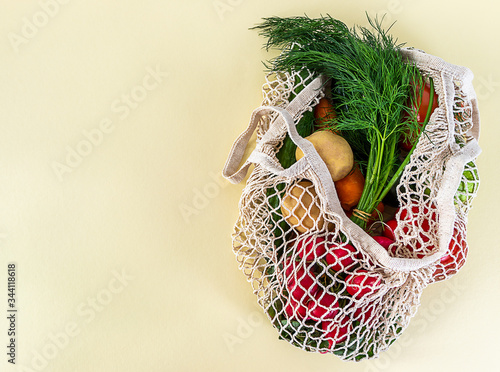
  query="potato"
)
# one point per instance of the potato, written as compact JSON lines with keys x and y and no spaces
{"x":335,"y":152}
{"x":300,"y":209}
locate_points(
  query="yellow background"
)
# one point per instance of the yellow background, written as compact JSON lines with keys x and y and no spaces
{"x":113,"y":273}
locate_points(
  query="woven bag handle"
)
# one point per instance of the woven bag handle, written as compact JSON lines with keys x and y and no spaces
{"x":232,"y":172}
{"x":454,"y":166}
{"x":455,"y":73}
{"x":285,"y":119}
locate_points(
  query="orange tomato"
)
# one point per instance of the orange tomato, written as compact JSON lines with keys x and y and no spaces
{"x":350,"y":188}
{"x":324,"y":112}
{"x":407,"y":143}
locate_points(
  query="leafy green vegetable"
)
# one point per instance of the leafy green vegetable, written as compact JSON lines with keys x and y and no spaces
{"x":372,"y":85}
{"x":467,"y":189}
{"x":286,"y":157}
{"x":305,"y":127}
{"x":281,"y":227}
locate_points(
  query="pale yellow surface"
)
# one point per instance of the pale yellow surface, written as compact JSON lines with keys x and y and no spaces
{"x":111,"y":275}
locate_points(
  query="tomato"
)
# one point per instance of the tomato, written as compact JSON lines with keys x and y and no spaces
{"x":407,"y":143}
{"x":323,"y":306}
{"x":454,"y":259}
{"x":421,"y":111}
{"x":324,"y":112}
{"x":361,"y":283}
{"x":425,"y":102}
{"x":311,"y":247}
{"x":340,"y":257}
{"x":336,"y":332}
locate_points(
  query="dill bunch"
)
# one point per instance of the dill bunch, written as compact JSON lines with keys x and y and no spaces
{"x":372,"y":89}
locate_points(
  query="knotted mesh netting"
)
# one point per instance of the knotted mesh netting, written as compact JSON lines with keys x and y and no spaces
{"x":324,"y":283}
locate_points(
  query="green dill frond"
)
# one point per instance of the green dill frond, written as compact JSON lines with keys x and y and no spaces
{"x":365,"y":64}
{"x":373,"y":88}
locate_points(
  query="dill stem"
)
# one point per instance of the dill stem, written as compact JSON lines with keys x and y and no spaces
{"x":399,"y":171}
{"x":372,"y":82}
{"x":376,"y":196}
{"x":380,"y":154}
{"x":392,"y":147}
{"x":373,"y":172}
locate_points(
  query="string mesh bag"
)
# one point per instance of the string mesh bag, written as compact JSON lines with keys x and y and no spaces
{"x":324,"y":283}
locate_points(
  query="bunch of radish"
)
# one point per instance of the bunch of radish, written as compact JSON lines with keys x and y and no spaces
{"x":322,"y":278}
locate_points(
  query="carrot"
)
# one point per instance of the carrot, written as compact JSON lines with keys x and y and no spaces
{"x":350,"y":188}
{"x":324,"y":113}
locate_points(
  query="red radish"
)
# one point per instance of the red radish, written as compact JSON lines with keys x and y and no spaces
{"x":302,"y":285}
{"x":311,"y":247}
{"x":420,"y":216}
{"x":383,"y":241}
{"x":361,"y":283}
{"x":389,"y":228}
{"x":293,"y":309}
{"x":324,"y":305}
{"x":289,"y":266}
{"x":451,"y":262}
{"x":423,"y":249}
{"x":421,"y":107}
{"x":410,"y":215}
{"x":336,"y":332}
{"x":403,"y":251}
{"x":340,"y":257}
{"x":365,"y":313}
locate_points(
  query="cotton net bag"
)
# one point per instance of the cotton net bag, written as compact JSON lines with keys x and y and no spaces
{"x":324,"y":283}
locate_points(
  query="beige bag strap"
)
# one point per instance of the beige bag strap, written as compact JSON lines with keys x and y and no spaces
{"x":454,"y":166}
{"x":285,"y":120}
{"x":232,"y":171}
{"x":236,"y":174}
{"x":459,"y":73}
